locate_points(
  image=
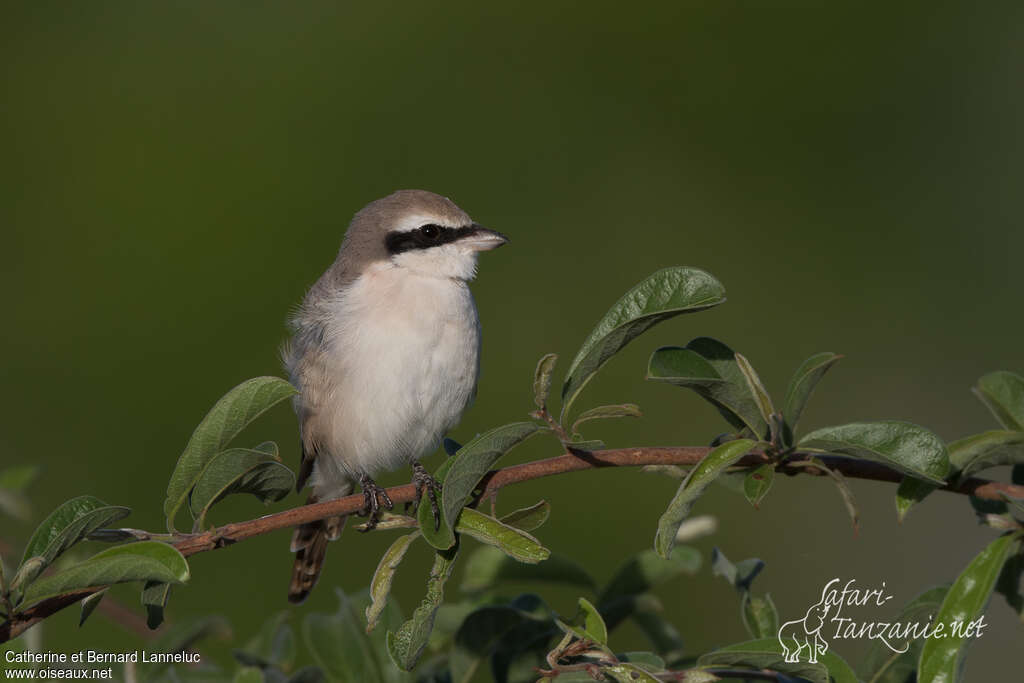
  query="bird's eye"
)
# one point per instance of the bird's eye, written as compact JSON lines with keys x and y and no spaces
{"x":431,"y":232}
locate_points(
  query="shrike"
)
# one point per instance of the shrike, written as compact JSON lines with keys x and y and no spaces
{"x":385,"y":354}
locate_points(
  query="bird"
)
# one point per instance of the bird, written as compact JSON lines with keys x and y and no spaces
{"x":385,"y":354}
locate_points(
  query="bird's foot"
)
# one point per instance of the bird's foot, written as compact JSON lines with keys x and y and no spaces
{"x":424,"y":481}
{"x":376,"y":498}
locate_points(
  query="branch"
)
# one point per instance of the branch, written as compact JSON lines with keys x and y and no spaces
{"x":191,"y":544}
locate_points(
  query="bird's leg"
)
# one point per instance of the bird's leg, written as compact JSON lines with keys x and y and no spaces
{"x":375,"y":497}
{"x":424,"y":481}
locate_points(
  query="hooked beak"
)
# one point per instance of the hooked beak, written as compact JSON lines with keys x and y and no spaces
{"x":481,"y":239}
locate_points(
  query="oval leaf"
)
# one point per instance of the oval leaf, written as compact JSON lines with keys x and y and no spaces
{"x":593,"y":624}
{"x":142,"y":561}
{"x":757,"y":484}
{"x":515,"y":543}
{"x":229,"y":416}
{"x":438,"y":534}
{"x":1003,"y":393}
{"x":480,"y":633}
{"x":942,"y":657}
{"x":663,"y":295}
{"x":988,"y":449}
{"x":380,"y":585}
{"x":805,"y":379}
{"x":542,"y":379}
{"x":645,"y":570}
{"x":713,"y":464}
{"x":240,"y":470}
{"x":529,"y":518}
{"x":709,"y":367}
{"x":154,"y":599}
{"x":759,"y":615}
{"x":407,"y":644}
{"x":882,"y":664}
{"x":903,"y":446}
{"x":605,"y":412}
{"x":756,"y":387}
{"x":69,"y":524}
{"x":89,"y":605}
{"x":471,"y":463}
{"x":911,"y":491}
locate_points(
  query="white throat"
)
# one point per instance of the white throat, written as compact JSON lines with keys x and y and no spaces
{"x":448,"y":261}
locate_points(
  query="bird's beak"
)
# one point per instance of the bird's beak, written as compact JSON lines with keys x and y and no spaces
{"x":482,"y":239}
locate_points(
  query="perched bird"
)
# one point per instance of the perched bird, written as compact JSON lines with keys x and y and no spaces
{"x":385,"y":354}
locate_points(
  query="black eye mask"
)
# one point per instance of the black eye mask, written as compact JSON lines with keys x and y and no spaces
{"x":425,"y":237}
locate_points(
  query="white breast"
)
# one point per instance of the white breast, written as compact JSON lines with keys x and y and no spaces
{"x":402,"y":358}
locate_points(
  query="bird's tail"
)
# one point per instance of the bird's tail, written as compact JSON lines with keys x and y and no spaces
{"x":309,"y":543}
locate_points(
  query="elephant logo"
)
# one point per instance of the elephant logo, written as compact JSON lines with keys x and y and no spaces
{"x":802,"y":635}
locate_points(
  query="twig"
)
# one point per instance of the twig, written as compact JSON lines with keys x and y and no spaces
{"x":191,"y":544}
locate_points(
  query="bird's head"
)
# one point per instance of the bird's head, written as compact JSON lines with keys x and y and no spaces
{"x":420,"y":231}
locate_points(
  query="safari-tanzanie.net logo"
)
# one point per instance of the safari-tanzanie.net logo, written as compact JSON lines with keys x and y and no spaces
{"x":808,"y":638}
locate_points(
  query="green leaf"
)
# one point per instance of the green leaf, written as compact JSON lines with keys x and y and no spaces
{"x":907,"y":447}
{"x":709,"y":367}
{"x":407,"y":644}
{"x":757,"y":484}
{"x":942,"y":658}
{"x":469,"y":465}
{"x":646,"y":569}
{"x":438,"y":534}
{"x":1003,"y":393}
{"x":760,"y":617}
{"x":766,"y":653}
{"x":488,"y":566}
{"x":514,"y":542}
{"x":69,"y":524}
{"x":229,"y":416}
{"x":380,"y":585}
{"x":882,"y":664}
{"x":480,"y":634}
{"x":340,"y":646}
{"x":529,"y":518}
{"x":911,"y":491}
{"x":757,"y":390}
{"x":154,"y":599}
{"x":665,"y":294}
{"x":142,"y":561}
{"x":1008,"y":584}
{"x":713,"y":464}
{"x":89,"y":605}
{"x":542,"y":379}
{"x":988,"y":449}
{"x":593,"y":624}
{"x":805,"y":379}
{"x":606,"y":412}
{"x":29,"y":570}
{"x":256,"y":471}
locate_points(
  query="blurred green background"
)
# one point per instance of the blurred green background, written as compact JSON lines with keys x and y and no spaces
{"x":175,"y":175}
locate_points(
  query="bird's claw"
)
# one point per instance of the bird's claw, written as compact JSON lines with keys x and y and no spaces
{"x":424,"y":481}
{"x":375,"y":498}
